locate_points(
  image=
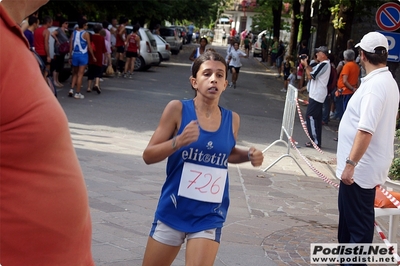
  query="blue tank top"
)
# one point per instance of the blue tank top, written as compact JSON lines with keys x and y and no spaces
{"x":79,"y":43}
{"x":212,"y":149}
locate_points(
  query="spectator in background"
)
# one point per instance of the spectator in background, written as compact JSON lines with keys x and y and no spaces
{"x":350,"y":45}
{"x":318,"y":77}
{"x":113,"y":30}
{"x":243,"y":35}
{"x":45,"y":216}
{"x":80,"y":48}
{"x":331,"y":88}
{"x":274,"y":51}
{"x":120,"y":44}
{"x":233,"y":32}
{"x":41,"y":40}
{"x":60,"y":37}
{"x":25,"y":24}
{"x":303,"y":50}
{"x":95,"y":68}
{"x":251,"y":37}
{"x":347,"y":82}
{"x":247,"y":44}
{"x":33,"y":23}
{"x":223,"y":36}
{"x":279,"y":57}
{"x":156,"y":29}
{"x":190,"y":32}
{"x":132,"y":51}
{"x":264,"y":48}
{"x":105,"y":32}
{"x":287,"y":66}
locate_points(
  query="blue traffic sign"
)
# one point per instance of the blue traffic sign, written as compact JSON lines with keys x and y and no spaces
{"x":394,"y":45}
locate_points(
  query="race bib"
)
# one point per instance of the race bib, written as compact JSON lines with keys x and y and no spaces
{"x":202,"y":183}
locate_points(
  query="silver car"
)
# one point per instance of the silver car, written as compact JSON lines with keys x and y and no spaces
{"x":173,"y":36}
{"x":163,"y":48}
{"x":148,"y":49}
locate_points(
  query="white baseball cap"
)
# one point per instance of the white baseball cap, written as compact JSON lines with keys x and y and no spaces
{"x":372,"y":40}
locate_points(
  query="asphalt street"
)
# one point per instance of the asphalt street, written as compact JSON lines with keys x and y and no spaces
{"x":274,"y":215}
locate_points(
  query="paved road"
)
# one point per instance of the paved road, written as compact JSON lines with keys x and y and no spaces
{"x":274,"y":215}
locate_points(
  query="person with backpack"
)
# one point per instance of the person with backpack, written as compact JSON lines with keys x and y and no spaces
{"x":318,"y":77}
{"x":347,"y":82}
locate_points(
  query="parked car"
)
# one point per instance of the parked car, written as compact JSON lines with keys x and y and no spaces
{"x":184,"y":33}
{"x":163,"y":48}
{"x":148,"y":49}
{"x":173,"y":36}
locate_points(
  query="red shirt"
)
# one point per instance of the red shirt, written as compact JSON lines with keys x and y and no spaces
{"x":45,"y":218}
{"x":120,"y":41}
{"x":39,"y":41}
{"x":99,"y":45}
{"x":132,"y":44}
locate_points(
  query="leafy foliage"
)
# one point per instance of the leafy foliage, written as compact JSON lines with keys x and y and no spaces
{"x":394,"y":171}
{"x":144,"y":11}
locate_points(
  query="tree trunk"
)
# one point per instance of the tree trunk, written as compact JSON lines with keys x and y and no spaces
{"x":324,"y":15}
{"x":306,"y":28}
{"x":294,"y":29}
{"x":343,"y":35}
{"x":277,"y":13}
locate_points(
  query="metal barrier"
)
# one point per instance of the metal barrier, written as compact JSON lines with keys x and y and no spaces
{"x":287,"y":127}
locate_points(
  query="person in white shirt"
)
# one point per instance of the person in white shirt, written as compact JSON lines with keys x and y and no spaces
{"x":234,"y":63}
{"x":366,"y":141}
{"x":318,"y":77}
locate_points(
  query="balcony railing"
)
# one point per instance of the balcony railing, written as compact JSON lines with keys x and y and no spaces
{"x":240,"y":7}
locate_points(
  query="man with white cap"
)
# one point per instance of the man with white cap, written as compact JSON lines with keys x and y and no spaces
{"x":366,"y":136}
{"x":318,"y":77}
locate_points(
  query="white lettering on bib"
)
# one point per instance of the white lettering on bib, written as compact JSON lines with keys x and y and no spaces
{"x":202,"y":183}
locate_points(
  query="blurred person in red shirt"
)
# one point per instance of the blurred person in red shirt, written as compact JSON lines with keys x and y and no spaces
{"x":44,"y":210}
{"x":95,"y":68}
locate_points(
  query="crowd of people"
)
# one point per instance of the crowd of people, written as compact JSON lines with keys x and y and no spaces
{"x":88,"y":52}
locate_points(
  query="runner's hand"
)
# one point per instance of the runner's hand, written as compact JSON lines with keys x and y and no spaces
{"x":255,"y":156}
{"x":189,"y":135}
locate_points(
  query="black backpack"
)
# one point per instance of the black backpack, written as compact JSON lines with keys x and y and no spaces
{"x":333,"y":77}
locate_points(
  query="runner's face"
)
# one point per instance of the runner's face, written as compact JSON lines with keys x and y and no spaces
{"x":210,"y":79}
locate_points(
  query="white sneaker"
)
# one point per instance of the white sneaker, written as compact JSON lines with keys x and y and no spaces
{"x":230,"y":84}
{"x":78,"y":95}
{"x":283,"y":90}
{"x":71,"y":93}
{"x":101,"y":79}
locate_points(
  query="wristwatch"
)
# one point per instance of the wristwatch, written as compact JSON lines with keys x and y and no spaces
{"x":353,"y":163}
